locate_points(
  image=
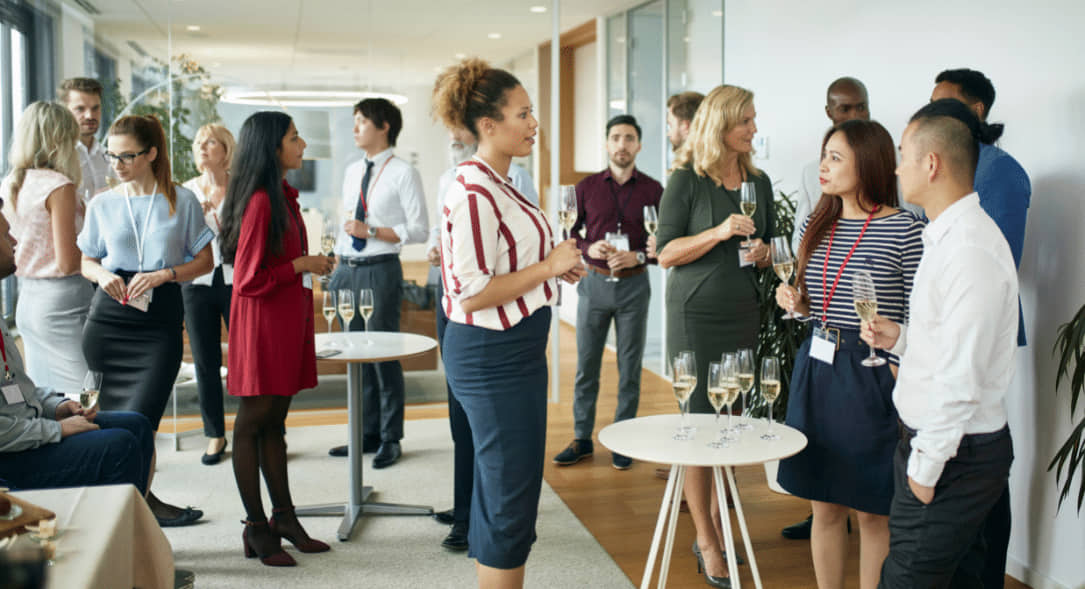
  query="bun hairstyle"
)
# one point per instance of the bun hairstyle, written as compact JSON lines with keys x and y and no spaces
{"x":148,"y":132}
{"x":975,"y":87}
{"x":469,"y":91}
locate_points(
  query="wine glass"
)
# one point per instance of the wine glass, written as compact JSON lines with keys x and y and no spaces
{"x":770,"y":389}
{"x":365,"y":307}
{"x":717,"y":396}
{"x":866,"y":306}
{"x":329,"y":314}
{"x":567,"y":209}
{"x":327,"y":245}
{"x":651,"y":220}
{"x":346,"y":309}
{"x":783,"y":263}
{"x":92,"y":385}
{"x":744,"y":369}
{"x":748,"y":204}
{"x":731,"y":392}
{"x":617,"y":241}
{"x":685,"y":381}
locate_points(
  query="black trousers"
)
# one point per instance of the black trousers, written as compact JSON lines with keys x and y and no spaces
{"x":382,"y":383}
{"x":204,"y":306}
{"x":463,"y":446}
{"x":942,"y":544}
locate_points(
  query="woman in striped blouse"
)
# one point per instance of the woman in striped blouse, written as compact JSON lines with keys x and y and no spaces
{"x":498,"y":265}
{"x":845,"y":408}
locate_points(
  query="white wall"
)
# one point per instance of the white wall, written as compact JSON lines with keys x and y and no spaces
{"x":588,"y":130}
{"x":788,"y":55}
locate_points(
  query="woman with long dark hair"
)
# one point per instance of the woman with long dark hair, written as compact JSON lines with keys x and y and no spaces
{"x":139,"y":241}
{"x":272,"y":354}
{"x":845,"y":408}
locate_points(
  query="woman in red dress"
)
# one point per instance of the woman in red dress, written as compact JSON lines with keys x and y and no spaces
{"x":272,"y":354}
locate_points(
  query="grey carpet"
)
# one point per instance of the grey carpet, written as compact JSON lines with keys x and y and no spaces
{"x":386,"y":552}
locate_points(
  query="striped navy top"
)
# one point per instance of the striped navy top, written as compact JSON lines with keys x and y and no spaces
{"x":890,"y":251}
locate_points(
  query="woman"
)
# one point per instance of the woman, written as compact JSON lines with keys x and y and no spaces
{"x":46,"y":215}
{"x":712,"y":299}
{"x":499,"y":262}
{"x":272,"y":354}
{"x":140,"y":240}
{"x":207,"y":298}
{"x":844,"y":408}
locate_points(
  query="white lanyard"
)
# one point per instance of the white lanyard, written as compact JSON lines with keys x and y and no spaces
{"x":140,"y":239}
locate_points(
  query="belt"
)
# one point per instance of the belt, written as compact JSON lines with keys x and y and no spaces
{"x":355,"y":262}
{"x":627,"y":273}
{"x":967,"y":440}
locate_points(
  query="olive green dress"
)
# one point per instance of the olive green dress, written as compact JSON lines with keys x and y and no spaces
{"x":712,"y":303}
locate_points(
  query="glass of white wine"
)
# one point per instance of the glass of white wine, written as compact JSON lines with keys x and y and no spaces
{"x":866,"y":306}
{"x":346,"y":309}
{"x":92,"y":385}
{"x":685,"y":381}
{"x":783,"y":263}
{"x":365,"y":307}
{"x":717,"y":397}
{"x":748,"y":204}
{"x":328,"y":309}
{"x":744,"y":370}
{"x":651,"y":220}
{"x":770,"y":390}
{"x":567,"y":209}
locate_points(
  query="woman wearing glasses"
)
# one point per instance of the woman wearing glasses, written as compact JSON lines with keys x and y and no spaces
{"x":46,"y":214}
{"x":139,"y":241}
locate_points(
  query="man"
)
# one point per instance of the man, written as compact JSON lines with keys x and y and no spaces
{"x":680,"y":111}
{"x":957,"y":361}
{"x":384,"y":194}
{"x":611,"y":203}
{"x":462,"y":145}
{"x":1004,"y":191}
{"x":83,"y":98}
{"x":49,"y":441}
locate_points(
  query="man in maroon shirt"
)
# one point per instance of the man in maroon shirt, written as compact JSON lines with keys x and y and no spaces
{"x":610,"y":228}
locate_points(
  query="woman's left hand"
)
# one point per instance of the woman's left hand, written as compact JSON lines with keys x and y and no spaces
{"x":757,"y":251}
{"x":145,"y":281}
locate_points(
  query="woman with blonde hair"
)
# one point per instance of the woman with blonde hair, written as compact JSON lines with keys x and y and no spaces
{"x":207,"y":298}
{"x":712,"y":298}
{"x":46,"y":214}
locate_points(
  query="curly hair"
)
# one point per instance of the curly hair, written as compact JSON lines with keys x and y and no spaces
{"x":469,"y":91}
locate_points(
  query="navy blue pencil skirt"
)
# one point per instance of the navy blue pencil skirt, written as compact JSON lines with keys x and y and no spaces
{"x":846,"y":411}
{"x":500,"y":379}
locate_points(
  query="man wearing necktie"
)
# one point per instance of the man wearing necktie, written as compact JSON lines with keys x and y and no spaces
{"x":383,"y":194}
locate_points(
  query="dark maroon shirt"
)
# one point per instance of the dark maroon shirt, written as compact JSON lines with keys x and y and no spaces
{"x":601,"y":203}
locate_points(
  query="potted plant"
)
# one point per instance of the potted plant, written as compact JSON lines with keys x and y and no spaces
{"x":1070,"y":351}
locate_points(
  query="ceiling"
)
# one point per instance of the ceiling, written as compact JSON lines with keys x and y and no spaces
{"x":329,"y":44}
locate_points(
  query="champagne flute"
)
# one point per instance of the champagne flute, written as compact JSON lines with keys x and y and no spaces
{"x":614,"y":239}
{"x":866,"y":306}
{"x":744,"y":369}
{"x":567,"y":209}
{"x":685,"y":381}
{"x":92,"y":385}
{"x":346,"y":309}
{"x":783,"y":263}
{"x":329,"y":314}
{"x":770,"y":389}
{"x":748,"y":204}
{"x":717,"y":395}
{"x":651,"y":220}
{"x":365,"y":307}
{"x":731,"y":392}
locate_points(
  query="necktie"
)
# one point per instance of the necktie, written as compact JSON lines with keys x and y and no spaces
{"x":359,"y":211}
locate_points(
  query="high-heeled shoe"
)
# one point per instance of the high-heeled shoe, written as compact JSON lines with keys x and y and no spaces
{"x":723,"y":553}
{"x":305,"y":544}
{"x":718,"y":582}
{"x":275,"y":559}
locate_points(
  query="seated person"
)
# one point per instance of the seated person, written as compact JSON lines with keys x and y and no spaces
{"x":49,"y":441}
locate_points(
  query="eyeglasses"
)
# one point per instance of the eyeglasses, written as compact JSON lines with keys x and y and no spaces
{"x":126,"y":158}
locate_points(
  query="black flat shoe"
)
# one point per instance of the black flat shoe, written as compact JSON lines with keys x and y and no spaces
{"x":215,"y":458}
{"x":445,"y":517}
{"x":187,"y":517}
{"x":456,"y":540}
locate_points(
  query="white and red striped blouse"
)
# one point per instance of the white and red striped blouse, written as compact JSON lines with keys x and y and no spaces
{"x":488,"y":229}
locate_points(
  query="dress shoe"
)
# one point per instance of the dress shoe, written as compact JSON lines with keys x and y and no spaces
{"x":215,"y":458}
{"x":368,"y":445}
{"x":272,"y":559}
{"x":620,"y":461}
{"x":387,"y":455}
{"x":186,"y":517}
{"x":576,"y":451}
{"x":447,"y":517}
{"x":456,"y":540}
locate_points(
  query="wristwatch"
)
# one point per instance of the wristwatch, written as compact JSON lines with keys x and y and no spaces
{"x":641,"y":258}
{"x":372,"y":231}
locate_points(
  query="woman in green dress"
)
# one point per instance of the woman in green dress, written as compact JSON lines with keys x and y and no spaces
{"x":712,"y":298}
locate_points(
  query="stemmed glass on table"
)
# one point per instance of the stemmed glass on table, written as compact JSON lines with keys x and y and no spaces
{"x":744,"y":372}
{"x":346,"y":308}
{"x":783,"y":263}
{"x":723,"y":390}
{"x":328,"y":309}
{"x":770,"y":390}
{"x":866,"y":306}
{"x":685,"y":380}
{"x":365,"y":307}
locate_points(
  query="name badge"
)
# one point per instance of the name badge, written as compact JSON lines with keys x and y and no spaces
{"x":620,"y":241}
{"x":307,"y":280}
{"x":12,"y":395}
{"x":742,"y":261}
{"x":142,"y":302}
{"x":823,"y":345}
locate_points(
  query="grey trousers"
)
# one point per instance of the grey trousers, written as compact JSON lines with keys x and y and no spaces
{"x":626,"y":303}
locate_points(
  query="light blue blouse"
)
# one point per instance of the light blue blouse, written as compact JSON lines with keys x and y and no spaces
{"x":108,"y":234}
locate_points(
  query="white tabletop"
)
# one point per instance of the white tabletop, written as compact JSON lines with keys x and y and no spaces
{"x":354,"y":346}
{"x":650,"y":439}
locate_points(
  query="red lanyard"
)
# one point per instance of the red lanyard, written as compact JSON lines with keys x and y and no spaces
{"x":363,"y":193}
{"x":828,"y":297}
{"x":4,"y":350}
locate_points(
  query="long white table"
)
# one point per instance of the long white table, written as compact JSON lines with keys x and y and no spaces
{"x":357,"y":348}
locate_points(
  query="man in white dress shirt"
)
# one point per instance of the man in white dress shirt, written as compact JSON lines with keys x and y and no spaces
{"x":83,"y":98}
{"x":957,"y":360}
{"x":386,"y":209}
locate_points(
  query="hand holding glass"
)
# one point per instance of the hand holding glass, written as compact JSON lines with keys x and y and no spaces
{"x":92,"y":385}
{"x":783,"y":263}
{"x":866,"y":306}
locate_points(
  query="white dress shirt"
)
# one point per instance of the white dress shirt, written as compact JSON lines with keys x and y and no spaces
{"x":394,"y":199}
{"x":488,"y":229}
{"x":95,"y":169}
{"x":957,"y":352}
{"x":518,"y":177}
{"x":213,"y":220}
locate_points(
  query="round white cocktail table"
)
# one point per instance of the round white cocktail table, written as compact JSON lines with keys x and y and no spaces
{"x":354,"y":349}
{"x":651,"y":439}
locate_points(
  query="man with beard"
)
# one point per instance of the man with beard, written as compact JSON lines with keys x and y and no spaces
{"x":83,"y":98}
{"x":610,"y":228}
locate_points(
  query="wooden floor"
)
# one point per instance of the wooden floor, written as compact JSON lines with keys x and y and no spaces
{"x":620,"y":507}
